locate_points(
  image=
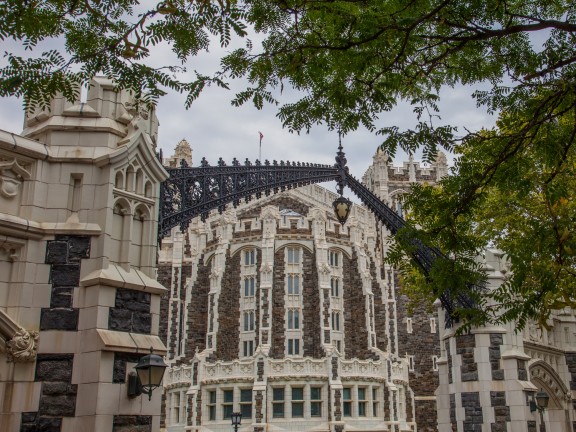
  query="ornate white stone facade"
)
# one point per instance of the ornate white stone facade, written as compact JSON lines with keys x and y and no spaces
{"x":423,"y":376}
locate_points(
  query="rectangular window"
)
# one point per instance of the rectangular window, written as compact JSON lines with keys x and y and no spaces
{"x":227,"y":404}
{"x":293,"y":255}
{"x":333,"y":258}
{"x":297,"y":402}
{"x":434,"y":363}
{"x":336,"y":321}
{"x":335,"y":287}
{"x":432,"y":325}
{"x":212,"y":405}
{"x":411,"y":363}
{"x":409,"y":325}
{"x":249,"y":286}
{"x":375,"y":401}
{"x":347,"y":398}
{"x":246,"y":403}
{"x":362,"y":402}
{"x":249,"y":321}
{"x":293,"y":319}
{"x":293,"y":284}
{"x":293,"y":346}
{"x":316,"y":401}
{"x":248,"y":348}
{"x":176,"y":407}
{"x":278,"y":402}
{"x":249,"y":257}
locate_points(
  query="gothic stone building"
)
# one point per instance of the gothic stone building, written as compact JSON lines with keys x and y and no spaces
{"x":278,"y":312}
{"x":272,"y":309}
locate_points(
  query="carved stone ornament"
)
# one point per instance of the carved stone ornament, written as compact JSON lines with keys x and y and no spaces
{"x":11,"y":176}
{"x":22,"y":347}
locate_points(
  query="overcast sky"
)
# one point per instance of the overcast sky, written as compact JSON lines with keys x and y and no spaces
{"x":214,"y":128}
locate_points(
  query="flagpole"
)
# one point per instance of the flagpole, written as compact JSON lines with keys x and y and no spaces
{"x":260,"y":150}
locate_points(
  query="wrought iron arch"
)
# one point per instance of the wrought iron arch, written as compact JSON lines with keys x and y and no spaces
{"x":195,"y":191}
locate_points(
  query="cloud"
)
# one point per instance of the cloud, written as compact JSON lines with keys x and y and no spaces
{"x":215,"y":128}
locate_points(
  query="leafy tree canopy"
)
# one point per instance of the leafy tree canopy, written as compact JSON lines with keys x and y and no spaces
{"x":513,"y":185}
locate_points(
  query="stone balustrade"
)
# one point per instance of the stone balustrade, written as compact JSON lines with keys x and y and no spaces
{"x":362,"y":368}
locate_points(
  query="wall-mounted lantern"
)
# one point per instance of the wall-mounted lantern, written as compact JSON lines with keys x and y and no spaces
{"x":149,"y":373}
{"x":540,"y":401}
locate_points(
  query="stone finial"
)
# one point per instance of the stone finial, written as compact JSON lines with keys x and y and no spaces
{"x":441,"y":166}
{"x":183,"y":151}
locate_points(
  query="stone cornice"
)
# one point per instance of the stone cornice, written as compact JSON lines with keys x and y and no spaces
{"x":116,"y":276}
{"x":24,"y":228}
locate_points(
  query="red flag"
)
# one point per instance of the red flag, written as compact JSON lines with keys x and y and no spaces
{"x":261,"y":136}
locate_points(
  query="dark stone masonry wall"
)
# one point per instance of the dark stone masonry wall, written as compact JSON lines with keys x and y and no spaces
{"x":501,"y":411}
{"x":453,"y":422}
{"x":473,"y":417}
{"x":120,"y":360}
{"x":356,"y":333}
{"x":132,"y":423}
{"x":311,"y":310}
{"x":258,"y":300}
{"x":278,"y":290}
{"x":380,"y":304}
{"x":496,"y":340}
{"x":131,"y":312}
{"x":426,"y":415}
{"x":198,"y":311}
{"x":57,"y":395}
{"x":423,"y":344}
{"x":228,"y":336}
{"x":64,"y":254}
{"x":173,"y":313}
{"x":465,"y":345}
{"x":165,"y":278}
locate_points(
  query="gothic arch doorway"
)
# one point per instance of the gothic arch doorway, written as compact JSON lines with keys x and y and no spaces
{"x":556,"y":417}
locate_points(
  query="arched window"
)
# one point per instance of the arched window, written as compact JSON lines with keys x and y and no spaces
{"x":139,"y":182}
{"x":148,"y":190}
{"x":130,"y":179}
{"x":119,"y":181}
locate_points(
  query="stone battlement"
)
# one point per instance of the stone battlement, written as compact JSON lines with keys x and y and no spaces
{"x":106,"y":110}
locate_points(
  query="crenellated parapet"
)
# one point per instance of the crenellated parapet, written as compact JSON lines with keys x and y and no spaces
{"x":106,"y":111}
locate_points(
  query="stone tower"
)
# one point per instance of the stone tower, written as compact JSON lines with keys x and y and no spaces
{"x":79,"y":300}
